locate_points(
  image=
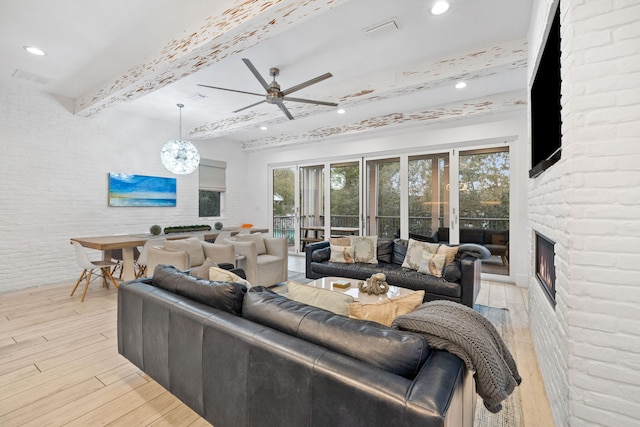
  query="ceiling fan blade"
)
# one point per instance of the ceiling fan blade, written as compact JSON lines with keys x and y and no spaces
{"x":307,"y":83}
{"x":310,"y":101}
{"x":252,"y":105}
{"x":255,"y":72}
{"x":232,"y":90}
{"x":284,"y":110}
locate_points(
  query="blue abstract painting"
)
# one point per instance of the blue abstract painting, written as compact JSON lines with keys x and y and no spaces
{"x":140,"y":190}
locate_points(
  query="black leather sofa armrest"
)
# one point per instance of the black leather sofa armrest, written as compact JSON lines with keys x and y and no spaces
{"x":309,"y":254}
{"x":470,"y":281}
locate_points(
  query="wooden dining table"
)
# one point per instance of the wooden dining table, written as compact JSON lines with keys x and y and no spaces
{"x":127,"y":242}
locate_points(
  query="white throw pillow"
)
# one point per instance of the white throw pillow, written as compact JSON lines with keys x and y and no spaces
{"x":336,"y":302}
{"x":342,"y":254}
{"x":432,"y":264}
{"x":366,"y":249}
{"x":217,"y":274}
{"x":414,"y":253}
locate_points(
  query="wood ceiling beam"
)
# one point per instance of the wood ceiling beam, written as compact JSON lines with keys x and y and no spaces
{"x":242,"y":26}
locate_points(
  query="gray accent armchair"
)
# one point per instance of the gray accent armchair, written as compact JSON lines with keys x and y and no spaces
{"x":263,"y":268}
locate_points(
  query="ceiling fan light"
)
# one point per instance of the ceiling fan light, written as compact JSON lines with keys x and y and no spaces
{"x":439,"y":7}
{"x":341,"y":111}
{"x":460,"y":85}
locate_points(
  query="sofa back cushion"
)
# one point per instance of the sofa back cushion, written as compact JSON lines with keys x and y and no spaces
{"x":385,"y":251}
{"x":223,"y":296}
{"x":390,"y":349}
{"x":472,"y":235}
{"x":399,"y":250}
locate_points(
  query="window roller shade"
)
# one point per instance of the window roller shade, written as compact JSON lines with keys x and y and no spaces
{"x":212,"y":175}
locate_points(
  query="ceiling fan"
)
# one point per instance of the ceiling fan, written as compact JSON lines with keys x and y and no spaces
{"x":274,"y":95}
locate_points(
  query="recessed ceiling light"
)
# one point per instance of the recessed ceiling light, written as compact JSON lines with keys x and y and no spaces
{"x":263,"y":128}
{"x":341,"y":111}
{"x":34,"y":50}
{"x":439,"y":7}
{"x":461,"y":85}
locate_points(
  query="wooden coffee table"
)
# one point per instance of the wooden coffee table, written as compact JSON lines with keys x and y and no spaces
{"x":362,"y":297}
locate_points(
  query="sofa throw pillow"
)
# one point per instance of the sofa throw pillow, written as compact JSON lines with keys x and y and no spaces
{"x":336,"y":302}
{"x":450,"y":253}
{"x":217,"y":274}
{"x":255,"y":238}
{"x":340,"y":241}
{"x":203,"y":271}
{"x":365,"y":248}
{"x":342,"y":254}
{"x":386,"y":311}
{"x":191,"y":245}
{"x":414,"y":253}
{"x":432,"y":264}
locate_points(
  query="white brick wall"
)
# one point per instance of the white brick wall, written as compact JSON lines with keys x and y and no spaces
{"x":53,"y":183}
{"x":589,"y":204}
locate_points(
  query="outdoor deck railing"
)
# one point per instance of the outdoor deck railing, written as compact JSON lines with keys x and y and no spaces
{"x":388,"y":226}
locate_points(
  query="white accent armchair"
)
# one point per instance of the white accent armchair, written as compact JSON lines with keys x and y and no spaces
{"x":184,"y":254}
{"x":266,"y":258}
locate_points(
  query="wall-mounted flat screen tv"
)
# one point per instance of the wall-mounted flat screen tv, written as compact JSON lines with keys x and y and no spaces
{"x":546,"y":119}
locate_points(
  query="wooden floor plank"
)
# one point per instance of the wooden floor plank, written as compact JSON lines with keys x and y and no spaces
{"x":88,"y":403}
{"x":50,"y":402}
{"x":82,"y":379}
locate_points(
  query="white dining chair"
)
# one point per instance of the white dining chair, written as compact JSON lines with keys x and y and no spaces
{"x":89,"y":266}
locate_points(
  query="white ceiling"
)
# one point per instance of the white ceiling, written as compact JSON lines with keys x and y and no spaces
{"x":143,"y":57}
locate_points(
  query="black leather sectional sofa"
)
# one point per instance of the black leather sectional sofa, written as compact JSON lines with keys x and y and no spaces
{"x":255,"y":358}
{"x":460,"y":281}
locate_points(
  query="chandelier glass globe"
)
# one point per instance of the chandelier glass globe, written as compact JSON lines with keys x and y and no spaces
{"x":178,"y":156}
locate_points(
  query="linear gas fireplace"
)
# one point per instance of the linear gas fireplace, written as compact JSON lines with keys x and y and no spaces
{"x":545,"y":266}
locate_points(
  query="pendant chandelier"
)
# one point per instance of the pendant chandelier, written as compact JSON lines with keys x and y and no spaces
{"x":178,"y":156}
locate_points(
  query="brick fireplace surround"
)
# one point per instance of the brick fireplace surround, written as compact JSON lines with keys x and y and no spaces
{"x":588,"y":344}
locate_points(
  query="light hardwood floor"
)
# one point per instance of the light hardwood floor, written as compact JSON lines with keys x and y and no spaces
{"x":59,"y":363}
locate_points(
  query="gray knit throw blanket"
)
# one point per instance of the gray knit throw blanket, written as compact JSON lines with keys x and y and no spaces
{"x":464,"y":332}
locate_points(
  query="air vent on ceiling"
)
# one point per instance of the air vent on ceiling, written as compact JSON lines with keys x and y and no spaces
{"x":197,"y":97}
{"x":25,"y":75}
{"x":382,"y":28}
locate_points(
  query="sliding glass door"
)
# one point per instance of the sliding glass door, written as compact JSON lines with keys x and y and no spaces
{"x":429,"y":198}
{"x":383,"y":198}
{"x":464,"y":194}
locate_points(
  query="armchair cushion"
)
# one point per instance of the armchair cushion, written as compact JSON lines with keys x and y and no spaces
{"x":191,"y":245}
{"x":255,"y":238}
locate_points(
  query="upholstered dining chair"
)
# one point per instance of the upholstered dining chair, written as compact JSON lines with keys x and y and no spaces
{"x":89,"y":266}
{"x":141,"y":262}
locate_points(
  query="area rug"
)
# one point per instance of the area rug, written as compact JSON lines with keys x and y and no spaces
{"x":511,"y":413}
